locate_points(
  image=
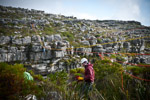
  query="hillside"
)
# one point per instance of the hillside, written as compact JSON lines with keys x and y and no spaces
{"x":47,"y":43}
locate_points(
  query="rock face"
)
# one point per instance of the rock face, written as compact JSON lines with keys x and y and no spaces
{"x":45,"y":51}
{"x":4,"y":40}
{"x":30,"y":50}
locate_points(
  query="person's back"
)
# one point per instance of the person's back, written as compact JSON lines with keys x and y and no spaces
{"x":89,"y":74}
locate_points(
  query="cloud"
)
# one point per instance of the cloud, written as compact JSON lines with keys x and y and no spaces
{"x":129,"y":10}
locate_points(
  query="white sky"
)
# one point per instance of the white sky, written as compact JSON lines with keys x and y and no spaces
{"x":137,"y":10}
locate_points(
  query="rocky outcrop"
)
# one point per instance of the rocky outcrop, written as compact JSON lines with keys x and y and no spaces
{"x":44,"y":52}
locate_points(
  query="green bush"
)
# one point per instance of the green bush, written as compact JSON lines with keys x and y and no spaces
{"x":70,"y":36}
{"x":99,"y":40}
{"x":80,"y":70}
{"x":107,"y":79}
{"x":13,"y":86}
{"x":135,"y":69}
{"x":59,"y":78}
{"x":73,"y":71}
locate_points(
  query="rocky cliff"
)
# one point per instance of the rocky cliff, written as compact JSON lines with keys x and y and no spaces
{"x":49,"y":42}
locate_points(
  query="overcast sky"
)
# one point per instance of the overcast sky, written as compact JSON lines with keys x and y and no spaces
{"x":138,"y":10}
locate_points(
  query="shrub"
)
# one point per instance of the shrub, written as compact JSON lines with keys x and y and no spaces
{"x":80,"y":70}
{"x":97,"y":35}
{"x":73,"y":71}
{"x":59,"y":78}
{"x":12,"y":83}
{"x":99,"y":40}
{"x":68,"y":35}
{"x":135,"y":69}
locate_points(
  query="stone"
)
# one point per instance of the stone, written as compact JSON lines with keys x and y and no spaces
{"x":46,"y":55}
{"x":136,"y":60}
{"x":59,"y":54}
{"x":93,"y":41}
{"x":17,"y":40}
{"x":3,"y":50}
{"x":49,"y":38}
{"x":135,"y":42}
{"x":12,"y":49}
{"x":37,"y":48}
{"x":98,"y":49}
{"x":143,"y":60}
{"x":3,"y":57}
{"x":61,"y":44}
{"x":40,"y":69}
{"x":10,"y":57}
{"x":133,"y":49}
{"x":21,"y":56}
{"x":35,"y":56}
{"x":22,"y":48}
{"x":4,"y":40}
{"x":36,"y":38}
{"x":109,"y":50}
{"x":84,"y":51}
{"x":57,"y":37}
{"x":26,"y":40}
{"x":126,"y":45}
{"x":85,"y":42}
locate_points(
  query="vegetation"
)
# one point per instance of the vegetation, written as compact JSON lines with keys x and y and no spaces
{"x":13,"y":85}
{"x":113,"y":80}
{"x":111,"y":83}
{"x":69,"y":36}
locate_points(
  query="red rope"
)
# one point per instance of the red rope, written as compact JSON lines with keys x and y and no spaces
{"x":137,"y":77}
{"x":135,"y":64}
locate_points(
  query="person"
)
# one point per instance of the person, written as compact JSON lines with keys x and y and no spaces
{"x":89,"y":76}
{"x":28,"y":76}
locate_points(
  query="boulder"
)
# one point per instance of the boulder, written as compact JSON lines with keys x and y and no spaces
{"x":143,"y":60}
{"x":148,"y":60}
{"x":85,"y":42}
{"x":36,"y":39}
{"x":49,"y":38}
{"x":4,"y":40}
{"x":3,"y":57}
{"x":126,"y":45}
{"x":98,"y":49}
{"x":59,"y":54}
{"x":46,"y":55}
{"x":133,"y":49}
{"x":10,"y":57}
{"x":21,"y":56}
{"x":57,"y":37}
{"x":93,"y":40}
{"x":3,"y":50}
{"x":35,"y":56}
{"x":109,"y":50}
{"x":136,"y":60}
{"x":26,"y":40}
{"x":17,"y":40}
{"x":136,"y":42}
{"x":37,"y":48}
{"x":84,"y":51}
{"x":12,"y":49}
{"x":40,"y":69}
